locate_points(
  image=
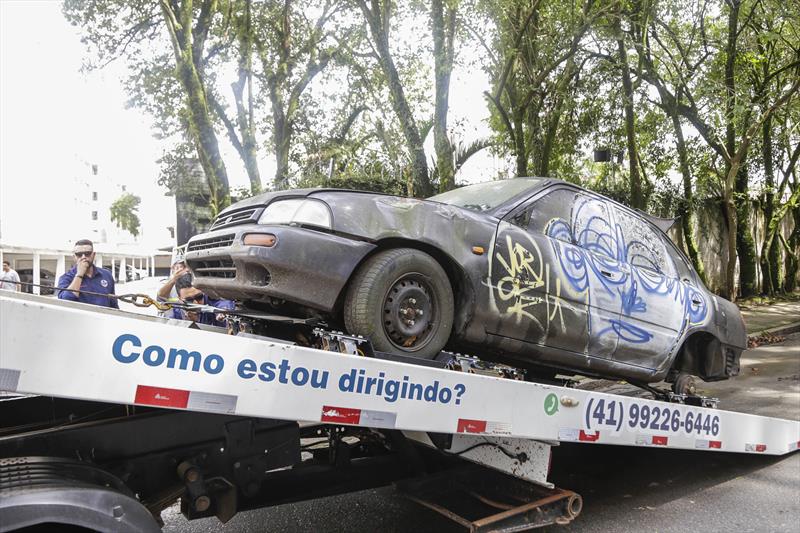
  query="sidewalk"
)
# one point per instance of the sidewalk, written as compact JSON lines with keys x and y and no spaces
{"x":779,"y":315}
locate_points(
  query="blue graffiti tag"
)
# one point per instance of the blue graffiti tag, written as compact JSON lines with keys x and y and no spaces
{"x":599,"y":253}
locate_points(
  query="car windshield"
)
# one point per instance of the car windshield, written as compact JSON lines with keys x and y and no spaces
{"x":486,"y":196}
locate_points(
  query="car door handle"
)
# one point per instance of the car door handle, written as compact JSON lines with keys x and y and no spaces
{"x":606,"y":273}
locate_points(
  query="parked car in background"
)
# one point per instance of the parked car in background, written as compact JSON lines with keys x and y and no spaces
{"x":537,"y":273}
{"x":46,"y":278}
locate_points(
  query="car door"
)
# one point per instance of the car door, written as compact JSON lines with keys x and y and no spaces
{"x":652,"y":306}
{"x":539,"y":279}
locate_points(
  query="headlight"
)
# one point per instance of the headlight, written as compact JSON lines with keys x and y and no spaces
{"x":300,"y":211}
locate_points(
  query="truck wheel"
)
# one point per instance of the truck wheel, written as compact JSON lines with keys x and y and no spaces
{"x":401,"y":300}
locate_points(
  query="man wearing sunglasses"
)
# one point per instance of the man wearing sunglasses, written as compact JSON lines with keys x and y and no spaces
{"x":194,"y":296}
{"x":86,"y":278}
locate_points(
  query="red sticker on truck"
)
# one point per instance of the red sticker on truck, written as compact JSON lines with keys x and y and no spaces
{"x":340,"y":415}
{"x":161,"y":397}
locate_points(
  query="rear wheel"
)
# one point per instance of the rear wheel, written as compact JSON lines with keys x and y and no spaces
{"x":684,"y":384}
{"x":402,"y":301}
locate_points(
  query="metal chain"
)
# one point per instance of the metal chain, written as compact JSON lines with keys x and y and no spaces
{"x":146,"y":301}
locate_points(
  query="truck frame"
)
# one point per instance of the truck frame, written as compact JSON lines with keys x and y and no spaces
{"x":110,"y":417}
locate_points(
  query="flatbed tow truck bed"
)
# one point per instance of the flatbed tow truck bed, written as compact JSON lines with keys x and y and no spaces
{"x":145,"y":411}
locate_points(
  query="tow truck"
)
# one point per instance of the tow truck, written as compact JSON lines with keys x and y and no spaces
{"x":110,"y":417}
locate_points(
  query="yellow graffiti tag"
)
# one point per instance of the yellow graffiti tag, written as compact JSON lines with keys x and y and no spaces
{"x":524,"y":273}
{"x":521,"y":278}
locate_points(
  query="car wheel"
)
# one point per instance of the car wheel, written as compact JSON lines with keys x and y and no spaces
{"x":684,"y":384}
{"x":402,"y":301}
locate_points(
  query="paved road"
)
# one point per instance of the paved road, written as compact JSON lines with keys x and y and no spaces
{"x":624,"y":489}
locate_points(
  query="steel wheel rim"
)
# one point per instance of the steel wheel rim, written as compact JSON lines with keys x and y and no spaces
{"x":410,"y":311}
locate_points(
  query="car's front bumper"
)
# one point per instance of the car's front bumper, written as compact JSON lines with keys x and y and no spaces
{"x":304,"y":266}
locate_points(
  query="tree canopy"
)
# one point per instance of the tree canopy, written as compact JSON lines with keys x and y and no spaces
{"x":684,"y":108}
{"x":124,"y":213}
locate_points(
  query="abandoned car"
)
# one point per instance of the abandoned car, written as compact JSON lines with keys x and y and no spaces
{"x":535,"y":273}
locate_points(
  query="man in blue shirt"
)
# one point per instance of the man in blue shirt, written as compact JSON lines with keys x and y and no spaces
{"x":192,"y":295}
{"x":84,"y":276}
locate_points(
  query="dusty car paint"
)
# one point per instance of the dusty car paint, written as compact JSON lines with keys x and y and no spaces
{"x":581,"y":294}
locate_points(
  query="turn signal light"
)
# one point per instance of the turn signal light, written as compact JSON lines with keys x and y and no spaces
{"x":477,"y":250}
{"x":260,"y":239}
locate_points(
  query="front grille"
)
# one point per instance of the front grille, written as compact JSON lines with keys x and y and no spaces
{"x":214,"y":268}
{"x":238,"y":217}
{"x":214,"y":242}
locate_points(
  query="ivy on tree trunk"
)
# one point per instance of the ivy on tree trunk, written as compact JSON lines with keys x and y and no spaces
{"x":188,"y":43}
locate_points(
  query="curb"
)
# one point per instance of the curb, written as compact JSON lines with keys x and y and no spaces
{"x":786,"y":329}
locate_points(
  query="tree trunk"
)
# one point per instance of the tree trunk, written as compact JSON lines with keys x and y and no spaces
{"x":635,"y":180}
{"x":186,"y":48}
{"x":378,"y":21}
{"x":443,"y":29}
{"x":688,"y":197}
{"x":745,"y":243}
{"x":769,"y":247}
{"x":281,"y":137}
{"x":520,"y":149}
{"x":244,"y":114}
{"x":729,"y":210}
{"x":793,"y":253}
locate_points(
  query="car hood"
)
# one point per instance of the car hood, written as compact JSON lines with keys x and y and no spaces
{"x":267,"y":197}
{"x":373,"y":217}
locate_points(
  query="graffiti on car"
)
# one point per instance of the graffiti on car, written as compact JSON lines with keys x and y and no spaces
{"x":623,"y":269}
{"x":525,"y":272}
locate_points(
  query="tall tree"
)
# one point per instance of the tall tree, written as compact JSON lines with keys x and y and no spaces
{"x":242,"y":130}
{"x":168,"y":76}
{"x":742,"y":119}
{"x":292,"y":50}
{"x":378,"y":14}
{"x":188,"y":33}
{"x":634,"y":177}
{"x":443,"y":28}
{"x":124,"y":213}
{"x":531,"y":60}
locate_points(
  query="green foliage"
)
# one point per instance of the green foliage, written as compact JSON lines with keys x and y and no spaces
{"x":124,"y":213}
{"x":356,"y":182}
{"x":339,"y":102}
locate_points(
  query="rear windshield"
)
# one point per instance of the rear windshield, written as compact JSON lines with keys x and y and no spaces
{"x":486,"y":196}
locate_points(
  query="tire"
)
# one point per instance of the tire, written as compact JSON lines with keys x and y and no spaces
{"x":402,"y":301}
{"x":684,"y":384}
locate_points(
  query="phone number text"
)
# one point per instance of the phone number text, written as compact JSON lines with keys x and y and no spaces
{"x":620,"y":415}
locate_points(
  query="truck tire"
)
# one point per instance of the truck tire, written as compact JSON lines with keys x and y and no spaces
{"x":57,"y":493}
{"x":402,"y":301}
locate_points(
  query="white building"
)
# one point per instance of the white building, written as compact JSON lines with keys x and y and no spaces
{"x":39,"y":223}
{"x":77,"y":205}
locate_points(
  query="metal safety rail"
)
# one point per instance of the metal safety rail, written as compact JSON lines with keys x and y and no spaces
{"x":72,"y":350}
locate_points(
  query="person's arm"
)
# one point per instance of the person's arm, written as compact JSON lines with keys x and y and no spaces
{"x":74,"y":285}
{"x":67,"y":281}
{"x":224,"y":304}
{"x":166,"y":288}
{"x":15,"y":279}
{"x":112,"y":302}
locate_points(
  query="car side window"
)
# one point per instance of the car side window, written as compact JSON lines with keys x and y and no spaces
{"x":683,"y":269}
{"x":574,"y":217}
{"x":593,"y":226}
{"x":550,"y":215}
{"x":641,"y":245}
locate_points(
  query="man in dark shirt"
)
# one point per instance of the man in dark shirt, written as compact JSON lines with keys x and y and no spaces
{"x":85,"y":276}
{"x":192,"y":295}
